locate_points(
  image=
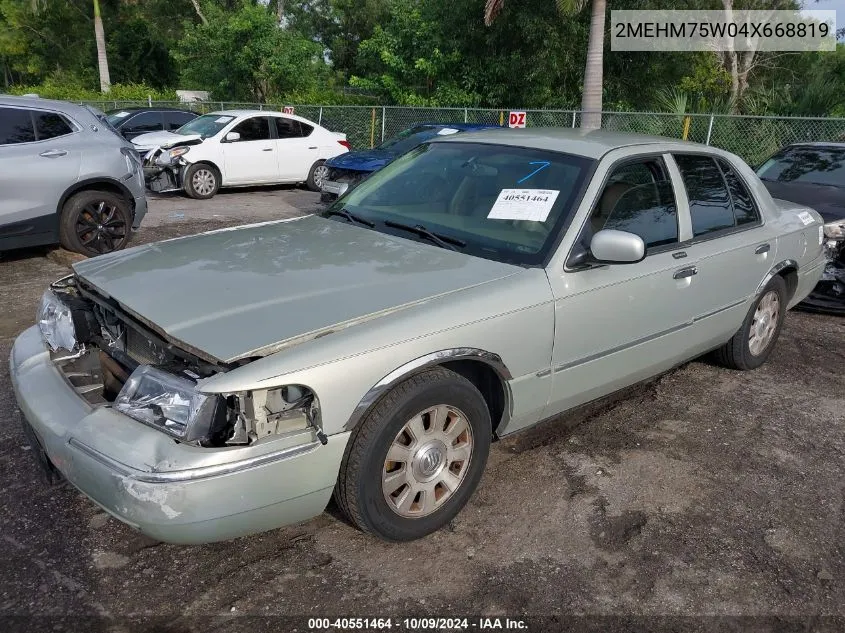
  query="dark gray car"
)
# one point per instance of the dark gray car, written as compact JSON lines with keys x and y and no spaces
{"x":66,"y":176}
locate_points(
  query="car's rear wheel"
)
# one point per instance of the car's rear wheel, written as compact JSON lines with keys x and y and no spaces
{"x":753,"y":343}
{"x":317,"y":176}
{"x":416,"y":458}
{"x":95,"y":222}
{"x":201,"y":181}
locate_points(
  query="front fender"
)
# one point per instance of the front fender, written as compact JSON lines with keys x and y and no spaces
{"x":510,"y":326}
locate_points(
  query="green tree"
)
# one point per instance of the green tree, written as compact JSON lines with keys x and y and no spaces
{"x":591,"y":99}
{"x":244,"y":55}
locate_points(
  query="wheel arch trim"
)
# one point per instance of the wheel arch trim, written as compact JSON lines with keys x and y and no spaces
{"x":91,"y":183}
{"x":494,"y":361}
{"x":776,"y":270}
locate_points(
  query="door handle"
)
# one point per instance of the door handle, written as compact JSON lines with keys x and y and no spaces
{"x":267,"y":149}
{"x":315,"y":147}
{"x":763,"y":248}
{"x":679,"y":255}
{"x":683,"y":273}
{"x":53,"y":153}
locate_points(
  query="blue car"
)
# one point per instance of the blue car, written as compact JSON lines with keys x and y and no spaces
{"x":349,"y":169}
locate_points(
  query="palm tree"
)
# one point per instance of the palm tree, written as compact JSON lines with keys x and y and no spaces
{"x":591,"y":97}
{"x":102,"y":60}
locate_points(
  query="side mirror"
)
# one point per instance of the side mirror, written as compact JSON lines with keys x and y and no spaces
{"x":231,"y":137}
{"x":617,"y":247}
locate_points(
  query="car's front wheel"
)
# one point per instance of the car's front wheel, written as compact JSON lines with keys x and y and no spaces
{"x":416,"y":458}
{"x":95,"y":222}
{"x":201,"y":181}
{"x":753,"y":343}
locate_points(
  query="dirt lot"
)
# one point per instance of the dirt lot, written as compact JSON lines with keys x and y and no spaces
{"x":706,"y":492}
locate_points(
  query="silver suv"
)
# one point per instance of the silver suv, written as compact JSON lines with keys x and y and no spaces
{"x":66,"y":176}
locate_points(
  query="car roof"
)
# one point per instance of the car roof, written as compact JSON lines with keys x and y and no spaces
{"x":829,"y":144}
{"x":238,"y":113}
{"x":457,"y":126}
{"x":581,"y":142}
{"x":153,"y":109}
{"x":36,"y":102}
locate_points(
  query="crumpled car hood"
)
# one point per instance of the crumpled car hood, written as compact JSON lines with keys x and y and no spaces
{"x":252,"y":290}
{"x":162,"y":139}
{"x":368,"y":160}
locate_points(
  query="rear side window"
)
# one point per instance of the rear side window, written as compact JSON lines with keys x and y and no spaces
{"x":51,"y":125}
{"x":288,"y":128}
{"x":744,"y":210}
{"x":175,"y":120}
{"x":143,"y":122}
{"x":709,"y":200}
{"x":16,"y":126}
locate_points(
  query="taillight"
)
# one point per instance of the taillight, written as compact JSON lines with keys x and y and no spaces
{"x":346,"y":144}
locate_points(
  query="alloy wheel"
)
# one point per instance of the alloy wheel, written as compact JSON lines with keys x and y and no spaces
{"x":427,"y":461}
{"x":100,"y":227}
{"x":765,"y":323}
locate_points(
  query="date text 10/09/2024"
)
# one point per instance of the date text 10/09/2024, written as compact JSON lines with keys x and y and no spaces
{"x":416,"y":624}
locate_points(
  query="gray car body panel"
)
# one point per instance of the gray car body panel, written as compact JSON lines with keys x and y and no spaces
{"x":36,"y":186}
{"x":557,"y":338}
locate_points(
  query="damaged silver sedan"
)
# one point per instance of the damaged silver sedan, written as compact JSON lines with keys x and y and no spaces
{"x":222,"y":384}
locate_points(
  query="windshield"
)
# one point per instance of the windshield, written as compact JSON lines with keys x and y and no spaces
{"x":206,"y":125}
{"x":408,"y":139}
{"x":114,"y":117}
{"x":807,"y":164}
{"x":503,"y":203}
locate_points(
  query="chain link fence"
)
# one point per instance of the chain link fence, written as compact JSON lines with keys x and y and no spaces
{"x":754,"y":138}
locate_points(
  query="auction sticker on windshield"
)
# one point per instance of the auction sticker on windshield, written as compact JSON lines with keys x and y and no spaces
{"x":223,"y":119}
{"x":523,"y":204}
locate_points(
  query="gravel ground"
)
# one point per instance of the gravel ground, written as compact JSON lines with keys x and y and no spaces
{"x":706,"y":492}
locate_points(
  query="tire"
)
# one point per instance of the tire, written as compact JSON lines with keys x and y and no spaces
{"x":319,"y":172}
{"x":420,"y":502}
{"x":201,"y":181}
{"x":753,"y":343}
{"x":95,"y":222}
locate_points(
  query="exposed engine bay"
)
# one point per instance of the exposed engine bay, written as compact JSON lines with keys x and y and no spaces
{"x":117,"y":360}
{"x":164,"y":165}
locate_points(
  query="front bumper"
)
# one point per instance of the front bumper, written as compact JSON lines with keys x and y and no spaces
{"x":333,"y":188}
{"x":172,"y":492}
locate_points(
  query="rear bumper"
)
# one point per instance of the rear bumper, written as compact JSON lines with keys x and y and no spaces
{"x":808,"y":278}
{"x":140,"y":210}
{"x":169,"y":491}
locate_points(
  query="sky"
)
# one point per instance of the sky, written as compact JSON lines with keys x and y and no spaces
{"x":835,"y":5}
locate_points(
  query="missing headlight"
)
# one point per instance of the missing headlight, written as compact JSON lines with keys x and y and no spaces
{"x":281,"y":411}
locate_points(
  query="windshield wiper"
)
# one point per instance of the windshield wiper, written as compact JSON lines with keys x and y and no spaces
{"x":443,"y":241}
{"x":349,"y":216}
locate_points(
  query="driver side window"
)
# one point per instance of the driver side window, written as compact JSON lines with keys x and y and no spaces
{"x":638,"y":198}
{"x":253,"y":129}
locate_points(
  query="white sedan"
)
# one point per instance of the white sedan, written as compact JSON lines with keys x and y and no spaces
{"x":233,"y":148}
